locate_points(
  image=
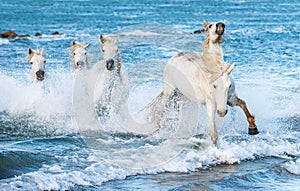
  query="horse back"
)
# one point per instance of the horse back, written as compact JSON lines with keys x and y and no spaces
{"x":183,"y":72}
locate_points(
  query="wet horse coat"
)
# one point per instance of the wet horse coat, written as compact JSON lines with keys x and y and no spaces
{"x":203,"y":79}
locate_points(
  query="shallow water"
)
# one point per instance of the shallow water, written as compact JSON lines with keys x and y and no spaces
{"x":42,"y":149}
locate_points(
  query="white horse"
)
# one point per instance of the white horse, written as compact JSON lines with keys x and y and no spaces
{"x":212,"y":51}
{"x":37,"y":61}
{"x":107,"y":84}
{"x":203,"y":79}
{"x":78,"y":54}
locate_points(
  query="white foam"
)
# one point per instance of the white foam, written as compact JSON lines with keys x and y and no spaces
{"x":49,"y":101}
{"x":193,"y":153}
{"x":3,"y":41}
{"x":49,"y":97}
{"x":293,"y":166}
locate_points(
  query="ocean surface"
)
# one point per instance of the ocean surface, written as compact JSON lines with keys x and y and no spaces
{"x":42,"y":147}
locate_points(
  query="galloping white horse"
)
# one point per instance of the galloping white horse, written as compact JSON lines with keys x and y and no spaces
{"x":107,"y":84}
{"x":78,"y":54}
{"x":233,"y":99}
{"x":37,"y":61}
{"x":203,"y":79}
{"x":108,"y":89}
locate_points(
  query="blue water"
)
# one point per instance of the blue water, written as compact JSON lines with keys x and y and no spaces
{"x":42,"y":149}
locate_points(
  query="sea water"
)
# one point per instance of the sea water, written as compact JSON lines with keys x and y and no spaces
{"x":41,"y":145}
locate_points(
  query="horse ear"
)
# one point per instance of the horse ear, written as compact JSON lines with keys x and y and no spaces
{"x":86,"y":45}
{"x":29,"y":51}
{"x":205,"y":25}
{"x":230,"y":68}
{"x":199,"y":31}
{"x":42,"y":52}
{"x":102,"y":39}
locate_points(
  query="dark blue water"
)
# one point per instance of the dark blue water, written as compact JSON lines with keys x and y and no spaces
{"x":41,"y":148}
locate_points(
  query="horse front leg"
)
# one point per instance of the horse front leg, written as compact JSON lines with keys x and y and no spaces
{"x":235,"y":101}
{"x":211,"y":110}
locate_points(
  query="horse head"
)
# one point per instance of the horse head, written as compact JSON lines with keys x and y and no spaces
{"x":79,"y":55}
{"x":215,"y":31}
{"x":110,"y":53}
{"x":37,"y":61}
{"x":220,"y":84}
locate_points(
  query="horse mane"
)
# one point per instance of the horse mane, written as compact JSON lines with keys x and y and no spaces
{"x":214,"y":70}
{"x":205,"y":43}
{"x":119,"y":60}
{"x":207,"y":64}
{"x":212,"y":61}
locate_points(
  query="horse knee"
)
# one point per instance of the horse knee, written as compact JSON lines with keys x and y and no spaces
{"x":235,"y":101}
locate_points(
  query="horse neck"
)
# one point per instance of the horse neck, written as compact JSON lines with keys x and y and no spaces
{"x":212,"y":52}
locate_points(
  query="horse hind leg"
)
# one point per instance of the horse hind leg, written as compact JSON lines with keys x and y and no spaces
{"x":235,"y":101}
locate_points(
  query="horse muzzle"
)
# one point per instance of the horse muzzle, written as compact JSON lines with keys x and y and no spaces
{"x":222,"y":113}
{"x":110,"y":64}
{"x":40,"y":75}
{"x":79,"y":64}
{"x":220,"y":28}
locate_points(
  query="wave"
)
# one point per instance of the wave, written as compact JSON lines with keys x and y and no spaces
{"x":35,"y":110}
{"x":78,"y":166}
{"x":3,"y":41}
{"x":293,"y":167}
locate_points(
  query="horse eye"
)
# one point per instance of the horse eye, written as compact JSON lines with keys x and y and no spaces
{"x":85,"y":53}
{"x":74,"y":53}
{"x":215,"y":86}
{"x":31,"y":62}
{"x":45,"y":61}
{"x":210,"y":26}
{"x":102,"y":50}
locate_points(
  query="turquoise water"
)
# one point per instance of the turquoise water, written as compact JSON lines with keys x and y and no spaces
{"x":41,"y":148}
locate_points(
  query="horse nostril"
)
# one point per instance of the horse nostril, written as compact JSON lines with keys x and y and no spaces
{"x":40,"y":75}
{"x":110,"y":64}
{"x":79,"y":63}
{"x":220,"y":28}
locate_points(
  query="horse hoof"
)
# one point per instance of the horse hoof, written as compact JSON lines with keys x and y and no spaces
{"x":253,"y":131}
